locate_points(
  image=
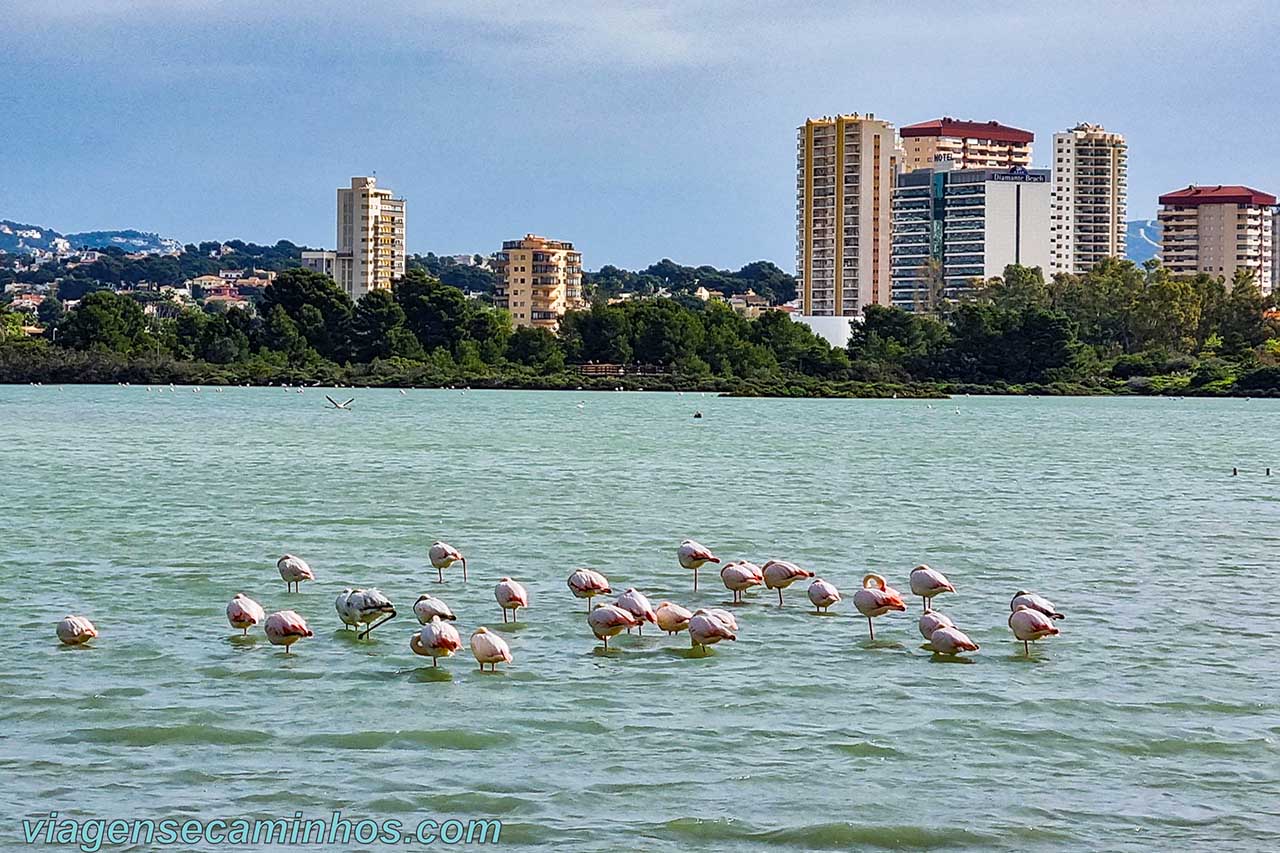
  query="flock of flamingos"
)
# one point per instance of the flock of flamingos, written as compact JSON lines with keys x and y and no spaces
{"x":1031,"y":617}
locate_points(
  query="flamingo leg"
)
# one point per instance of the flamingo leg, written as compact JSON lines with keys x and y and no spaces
{"x":640,"y":630}
{"x":779,"y":596}
{"x":695,"y":580}
{"x":606,"y":643}
{"x":871,"y":628}
{"x":464,"y":569}
{"x":440,"y":575}
{"x":1026,"y":648}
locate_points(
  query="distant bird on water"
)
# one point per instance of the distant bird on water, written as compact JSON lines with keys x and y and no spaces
{"x":443,"y":555}
{"x":694,"y":555}
{"x":286,"y":627}
{"x":511,"y":596}
{"x":706,"y":629}
{"x":1040,"y":604}
{"x":585,"y":583}
{"x":739,"y":576}
{"x":76,"y":630}
{"x":436,"y":639}
{"x":488,"y":648}
{"x":294,"y":570}
{"x":635,"y":603}
{"x":672,"y":618}
{"x":779,"y":574}
{"x":876,"y":598}
{"x":1028,"y":625}
{"x":428,"y":606}
{"x":927,"y":582}
{"x":334,"y":404}
{"x":609,"y":620}
{"x":243,"y":612}
{"x":823,"y":594}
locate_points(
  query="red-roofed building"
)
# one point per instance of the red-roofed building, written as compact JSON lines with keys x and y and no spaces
{"x":967,"y":144}
{"x":1219,"y":230}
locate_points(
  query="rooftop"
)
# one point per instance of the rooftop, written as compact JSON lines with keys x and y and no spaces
{"x":947,"y":126}
{"x":1193,"y":196}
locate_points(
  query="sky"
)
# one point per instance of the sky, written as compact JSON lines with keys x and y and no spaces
{"x":638,"y":130}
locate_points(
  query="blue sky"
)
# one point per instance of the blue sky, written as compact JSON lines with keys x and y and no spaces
{"x":638,"y":130}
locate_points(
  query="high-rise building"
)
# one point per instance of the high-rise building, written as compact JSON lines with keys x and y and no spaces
{"x":1218,"y":230}
{"x":538,"y":280}
{"x":966,"y":144}
{"x":370,"y":238}
{"x":322,"y":261}
{"x":953,"y":226}
{"x":845,"y":168}
{"x":1275,"y":251}
{"x":1090,"y":192}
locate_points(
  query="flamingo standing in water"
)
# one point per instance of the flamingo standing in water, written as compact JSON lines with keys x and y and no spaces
{"x":511,"y":596}
{"x":286,"y":627}
{"x":740,"y":576}
{"x":76,"y":630}
{"x":345,"y":606}
{"x":1039,"y":603}
{"x":243,"y":612}
{"x":428,"y":606}
{"x":932,"y":620}
{"x":637,"y":605}
{"x":488,"y":648}
{"x":876,"y":598}
{"x":823,"y":594}
{"x":706,"y":629}
{"x":585,"y":583}
{"x":779,"y":574}
{"x":609,"y":620}
{"x":950,"y":640}
{"x":1028,"y":625}
{"x":294,"y":570}
{"x":369,"y":604}
{"x":672,"y":618}
{"x":436,"y":639}
{"x":443,"y":555}
{"x":927,"y":582}
{"x":694,"y":555}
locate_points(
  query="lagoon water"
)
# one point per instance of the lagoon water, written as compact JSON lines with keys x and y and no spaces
{"x":1152,"y":723}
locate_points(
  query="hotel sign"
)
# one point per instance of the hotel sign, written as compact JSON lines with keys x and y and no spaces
{"x":1020,"y":175}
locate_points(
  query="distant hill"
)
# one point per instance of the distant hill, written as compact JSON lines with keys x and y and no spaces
{"x":1142,"y":240}
{"x":19,"y":238}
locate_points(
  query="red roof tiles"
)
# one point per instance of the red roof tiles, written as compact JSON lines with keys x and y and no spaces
{"x":1193,"y":196}
{"x":994,"y":131}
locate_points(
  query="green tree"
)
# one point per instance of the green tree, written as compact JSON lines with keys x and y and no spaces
{"x":51,"y":311}
{"x":105,"y":321}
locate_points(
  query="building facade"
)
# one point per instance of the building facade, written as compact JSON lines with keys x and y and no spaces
{"x":1218,"y":230}
{"x":322,"y":262}
{"x":965,"y":144}
{"x":538,"y":280}
{"x":845,"y":169}
{"x":1090,"y":197}
{"x":953,"y":226}
{"x":371,"y":228}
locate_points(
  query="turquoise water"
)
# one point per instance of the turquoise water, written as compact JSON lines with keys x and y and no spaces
{"x":1150,"y":724}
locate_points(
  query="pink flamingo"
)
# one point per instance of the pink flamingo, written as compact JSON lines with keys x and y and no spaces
{"x":436,"y":639}
{"x":442,"y":556}
{"x":739,"y":577}
{"x":76,"y":630}
{"x":694,"y":555}
{"x":428,"y":606}
{"x":511,"y":596}
{"x":1028,"y":625}
{"x":286,"y":627}
{"x":243,"y":612}
{"x":1039,"y":603}
{"x":932,"y":620}
{"x":950,"y":640}
{"x":779,"y":574}
{"x":672,"y":618}
{"x":585,"y":583}
{"x":876,"y":598}
{"x":823,"y":594}
{"x":706,"y":629}
{"x":488,"y":648}
{"x":609,"y":620}
{"x":927,"y":582}
{"x":293,"y":571}
{"x":638,"y":606}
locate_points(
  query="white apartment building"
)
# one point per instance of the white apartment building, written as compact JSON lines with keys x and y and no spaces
{"x":1090,"y":196}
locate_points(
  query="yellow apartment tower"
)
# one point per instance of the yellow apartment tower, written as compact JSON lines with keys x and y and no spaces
{"x":370,"y":238}
{"x":1218,"y":230}
{"x":538,"y":280}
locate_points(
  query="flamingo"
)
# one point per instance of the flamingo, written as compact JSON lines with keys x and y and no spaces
{"x":608,"y":620}
{"x":511,"y":596}
{"x":779,"y":574}
{"x":823,"y":594}
{"x":672,"y":618}
{"x":693,"y":555}
{"x":638,"y":606}
{"x":76,"y":630}
{"x":927,"y":582}
{"x":368,"y":605}
{"x":243,"y":612}
{"x":726,"y":618}
{"x":876,"y":598}
{"x":489,"y":648}
{"x":443,"y":555}
{"x":932,"y":620}
{"x":346,"y":609}
{"x":585,"y":583}
{"x":950,"y":640}
{"x":436,"y":639}
{"x":706,"y":629}
{"x":286,"y":627}
{"x":294,"y":570}
{"x":1028,"y":625}
{"x":428,"y":606}
{"x":739,"y":577}
{"x":1022,"y":598}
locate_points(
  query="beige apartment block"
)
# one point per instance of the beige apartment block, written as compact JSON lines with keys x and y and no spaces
{"x":965,"y":144}
{"x":1219,"y":230}
{"x":1090,"y":197}
{"x":371,"y":230}
{"x":538,"y":280}
{"x":845,"y":172}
